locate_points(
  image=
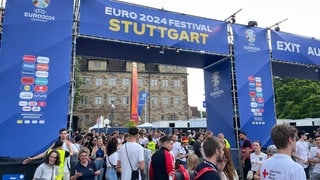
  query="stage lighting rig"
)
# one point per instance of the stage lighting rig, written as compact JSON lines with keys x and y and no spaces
{"x":252,"y":23}
{"x":276,"y":25}
{"x":232,"y":17}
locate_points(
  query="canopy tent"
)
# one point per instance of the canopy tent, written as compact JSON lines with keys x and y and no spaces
{"x":144,"y":125}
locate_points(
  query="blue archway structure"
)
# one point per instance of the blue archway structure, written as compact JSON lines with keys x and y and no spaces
{"x":237,"y":60}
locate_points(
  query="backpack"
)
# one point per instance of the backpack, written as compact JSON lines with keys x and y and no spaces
{"x":202,"y":171}
{"x":182,"y":173}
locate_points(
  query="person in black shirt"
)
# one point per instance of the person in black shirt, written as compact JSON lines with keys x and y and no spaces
{"x":213,"y":152}
{"x":197,"y":145}
{"x":85,"y":168}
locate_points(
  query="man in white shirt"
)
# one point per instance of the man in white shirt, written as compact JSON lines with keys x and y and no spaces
{"x":176,"y":146}
{"x":314,"y":157}
{"x":302,"y":151}
{"x":280,"y":165}
{"x":131,"y":156}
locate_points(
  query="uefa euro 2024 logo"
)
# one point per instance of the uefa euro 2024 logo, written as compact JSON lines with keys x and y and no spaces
{"x":215,"y":79}
{"x":250,"y":35}
{"x":41,"y":3}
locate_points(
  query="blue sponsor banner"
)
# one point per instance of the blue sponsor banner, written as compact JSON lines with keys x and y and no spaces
{"x":254,"y":82}
{"x":34,"y":74}
{"x":120,"y":21}
{"x":219,"y":100}
{"x":13,"y":177}
{"x":143,"y":95}
{"x":296,"y":49}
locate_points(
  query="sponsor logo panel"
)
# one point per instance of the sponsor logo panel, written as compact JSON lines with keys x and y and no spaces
{"x":41,"y":81}
{"x":29,"y":58}
{"x":42,"y":67}
{"x":43,"y":74}
{"x":26,"y":95}
{"x":40,"y":88}
{"x":27,"y":80}
{"x":43,"y":59}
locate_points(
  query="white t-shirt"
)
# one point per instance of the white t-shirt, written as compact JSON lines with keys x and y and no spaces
{"x":176,"y":148}
{"x":113,"y":159}
{"x":256,"y":160}
{"x":135,"y":154}
{"x":302,"y":150}
{"x":45,"y":172}
{"x":313,"y":155}
{"x":281,"y":166}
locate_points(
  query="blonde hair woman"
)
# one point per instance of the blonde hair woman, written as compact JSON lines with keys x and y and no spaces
{"x":192,"y":162}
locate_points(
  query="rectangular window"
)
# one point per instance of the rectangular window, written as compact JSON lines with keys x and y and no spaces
{"x":177,"y":83}
{"x":86,"y":118}
{"x":125,"y":100}
{"x":177,"y":101}
{"x":97,"y":64}
{"x":98,"y":82}
{"x":126,"y":82}
{"x":154,"y":100}
{"x":154,"y":83}
{"x":165,"y":101}
{"x":140,"y":82}
{"x":112,"y":82}
{"x":165,"y":83}
{"x":98,"y":100}
{"x":84,"y":100}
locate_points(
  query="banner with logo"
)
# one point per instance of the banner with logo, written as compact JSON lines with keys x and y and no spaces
{"x":294,"y":48}
{"x":35,"y":72}
{"x":125,"y":22}
{"x":219,"y":100}
{"x":143,"y":95}
{"x":254,"y":82}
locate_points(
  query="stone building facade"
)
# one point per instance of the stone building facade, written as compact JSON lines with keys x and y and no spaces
{"x":107,"y":91}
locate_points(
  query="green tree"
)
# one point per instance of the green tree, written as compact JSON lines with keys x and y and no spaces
{"x":297,"y":99}
{"x":79,"y":81}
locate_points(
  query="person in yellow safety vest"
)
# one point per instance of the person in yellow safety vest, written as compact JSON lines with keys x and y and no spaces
{"x":62,"y":154}
{"x":224,"y":140}
{"x":151,"y":144}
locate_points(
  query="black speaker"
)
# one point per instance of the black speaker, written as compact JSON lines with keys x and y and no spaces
{"x":171,"y":125}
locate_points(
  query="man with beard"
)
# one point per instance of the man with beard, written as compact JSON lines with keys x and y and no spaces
{"x":213,"y":151}
{"x":280,"y":165}
{"x":246,"y":149}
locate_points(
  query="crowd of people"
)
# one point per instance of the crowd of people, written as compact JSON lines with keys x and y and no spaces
{"x":157,"y":155}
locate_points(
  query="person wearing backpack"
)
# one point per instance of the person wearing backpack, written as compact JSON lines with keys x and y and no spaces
{"x":213,"y":151}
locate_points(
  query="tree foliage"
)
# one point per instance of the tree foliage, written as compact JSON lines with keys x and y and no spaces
{"x":297,"y":99}
{"x":79,"y":81}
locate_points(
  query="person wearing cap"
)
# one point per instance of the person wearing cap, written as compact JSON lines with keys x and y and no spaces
{"x":302,"y":151}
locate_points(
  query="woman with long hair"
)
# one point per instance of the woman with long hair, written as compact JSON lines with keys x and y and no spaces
{"x":226,"y":167}
{"x":111,"y":159}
